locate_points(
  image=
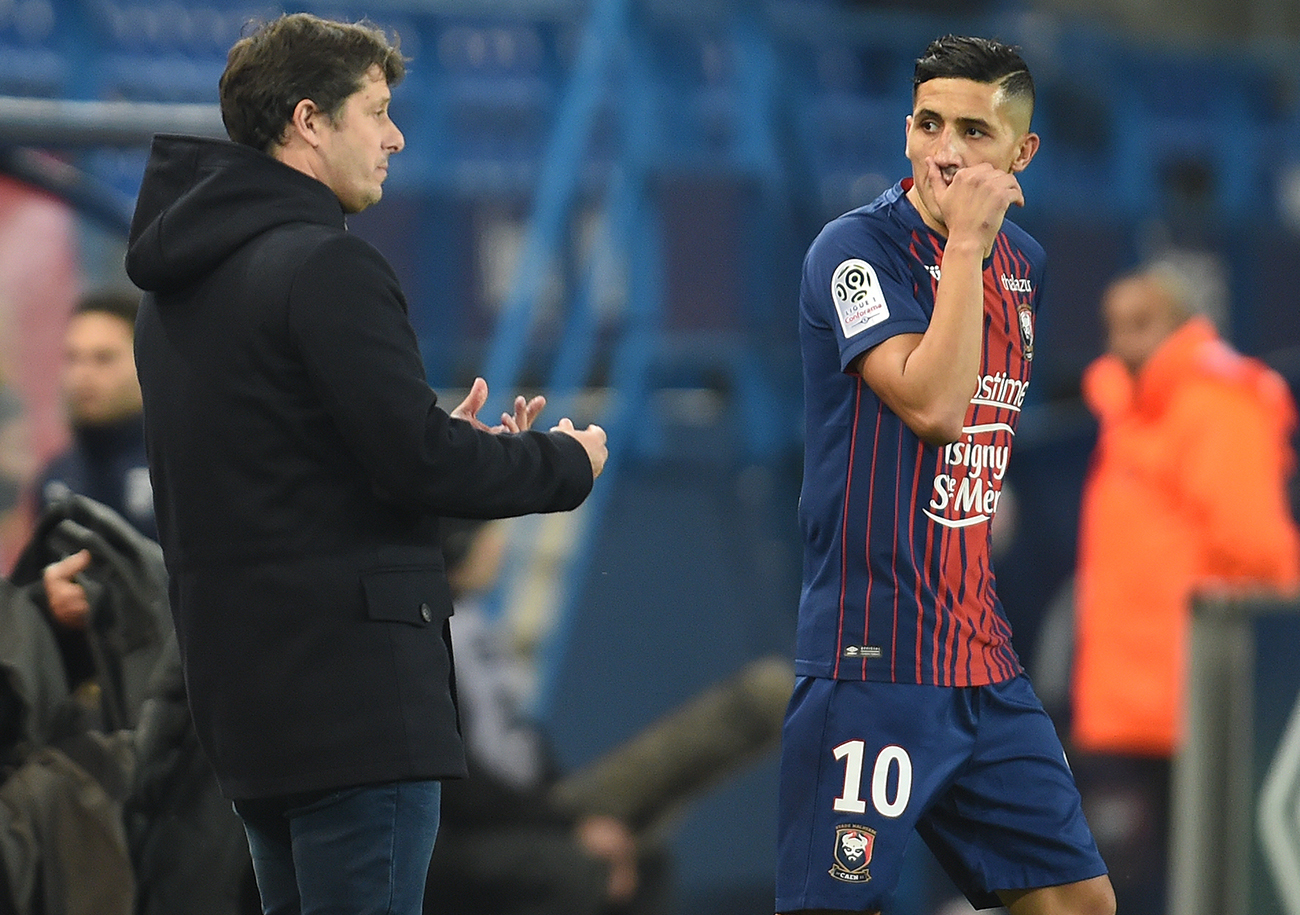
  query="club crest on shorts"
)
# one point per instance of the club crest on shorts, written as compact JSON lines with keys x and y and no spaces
{"x":853,"y":845}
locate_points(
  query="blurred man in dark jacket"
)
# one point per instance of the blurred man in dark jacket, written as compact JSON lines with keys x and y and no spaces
{"x":106,"y":459}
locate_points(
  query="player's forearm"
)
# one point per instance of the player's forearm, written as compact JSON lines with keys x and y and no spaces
{"x":943,"y":369}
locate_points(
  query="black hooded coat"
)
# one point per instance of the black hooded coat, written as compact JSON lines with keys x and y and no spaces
{"x":300,"y":462}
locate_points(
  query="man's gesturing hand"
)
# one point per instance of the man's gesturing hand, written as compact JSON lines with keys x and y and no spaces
{"x":592,"y":438}
{"x":525,"y":410}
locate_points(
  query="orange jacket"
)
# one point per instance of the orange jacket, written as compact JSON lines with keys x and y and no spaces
{"x":1187,"y":491}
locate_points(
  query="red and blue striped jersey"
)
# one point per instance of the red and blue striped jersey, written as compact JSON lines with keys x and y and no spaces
{"x":898,"y":582}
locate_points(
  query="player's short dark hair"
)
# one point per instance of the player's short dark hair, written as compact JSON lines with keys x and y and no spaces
{"x":299,"y":56}
{"x":122,"y":305}
{"x":984,"y":60}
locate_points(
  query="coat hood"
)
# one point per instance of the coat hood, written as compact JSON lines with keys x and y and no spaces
{"x":201,"y":199}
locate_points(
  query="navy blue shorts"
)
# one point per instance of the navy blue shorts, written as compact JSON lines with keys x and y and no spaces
{"x":978,"y":771}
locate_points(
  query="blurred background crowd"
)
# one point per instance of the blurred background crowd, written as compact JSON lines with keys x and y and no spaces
{"x":608,"y":201}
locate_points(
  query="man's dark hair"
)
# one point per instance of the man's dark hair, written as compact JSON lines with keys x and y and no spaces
{"x":299,"y":56}
{"x":122,"y":305}
{"x":984,"y":60}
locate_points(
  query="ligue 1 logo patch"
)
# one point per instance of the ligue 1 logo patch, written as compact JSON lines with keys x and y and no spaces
{"x":859,"y":300}
{"x":853,"y":845}
{"x":1025,"y":313}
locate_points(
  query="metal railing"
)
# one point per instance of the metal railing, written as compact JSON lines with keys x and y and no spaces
{"x":1235,"y":820}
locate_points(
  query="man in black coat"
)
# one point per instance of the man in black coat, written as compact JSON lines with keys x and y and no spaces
{"x":300,"y":462}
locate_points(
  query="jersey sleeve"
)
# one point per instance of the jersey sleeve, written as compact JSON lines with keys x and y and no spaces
{"x":857,"y":284}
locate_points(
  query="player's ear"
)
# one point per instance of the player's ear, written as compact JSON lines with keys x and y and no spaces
{"x":1025,"y":152}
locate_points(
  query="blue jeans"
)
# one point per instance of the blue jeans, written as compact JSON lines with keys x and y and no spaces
{"x":355,"y":851}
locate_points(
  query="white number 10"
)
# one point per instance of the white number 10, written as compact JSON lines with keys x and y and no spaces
{"x":850,"y":801}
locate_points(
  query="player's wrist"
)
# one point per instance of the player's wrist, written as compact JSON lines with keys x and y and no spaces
{"x":964,"y":245}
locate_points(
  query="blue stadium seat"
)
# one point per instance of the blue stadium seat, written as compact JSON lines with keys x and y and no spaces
{"x":168,"y":77}
{"x":1190,"y":111}
{"x":33,"y":61}
{"x":1078,"y":158}
{"x":848,"y":100}
{"x":33,"y":72}
{"x":491,"y":90}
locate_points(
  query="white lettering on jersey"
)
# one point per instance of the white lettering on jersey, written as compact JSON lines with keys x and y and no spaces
{"x":1002,"y":391}
{"x":969,"y":488}
{"x":859,"y":300}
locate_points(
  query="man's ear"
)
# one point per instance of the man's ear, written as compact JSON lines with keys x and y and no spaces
{"x":1028,"y":147}
{"x":306,"y":122}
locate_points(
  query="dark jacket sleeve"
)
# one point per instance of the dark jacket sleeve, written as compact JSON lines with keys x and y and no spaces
{"x":349,"y":317}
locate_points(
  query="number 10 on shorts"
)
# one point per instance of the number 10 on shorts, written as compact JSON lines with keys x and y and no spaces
{"x":852,"y":753}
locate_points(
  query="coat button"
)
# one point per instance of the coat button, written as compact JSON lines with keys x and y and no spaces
{"x":426,"y":613}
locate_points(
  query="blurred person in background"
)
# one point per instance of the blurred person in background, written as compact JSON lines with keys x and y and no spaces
{"x":1187,"y":494}
{"x":101,"y":395}
{"x":17,"y":466}
{"x":521,"y":837}
{"x":301,"y":463}
{"x":106,"y":460}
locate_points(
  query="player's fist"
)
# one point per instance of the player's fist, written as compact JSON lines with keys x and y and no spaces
{"x":974,"y":200}
{"x":592,"y":439}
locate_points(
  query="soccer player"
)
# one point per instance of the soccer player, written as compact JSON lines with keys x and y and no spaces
{"x":910,"y":709}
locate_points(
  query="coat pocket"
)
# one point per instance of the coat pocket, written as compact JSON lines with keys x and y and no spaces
{"x":418,"y":596}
